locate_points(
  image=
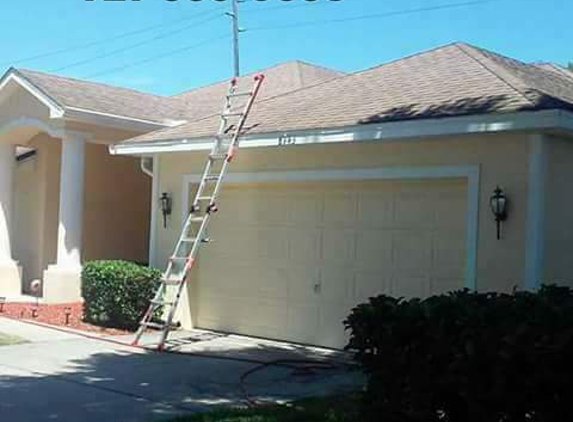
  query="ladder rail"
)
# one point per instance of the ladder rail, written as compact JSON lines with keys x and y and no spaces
{"x":191,"y":232}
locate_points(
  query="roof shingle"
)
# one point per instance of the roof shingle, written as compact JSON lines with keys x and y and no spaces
{"x":453,"y":80}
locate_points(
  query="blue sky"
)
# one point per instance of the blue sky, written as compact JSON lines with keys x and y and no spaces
{"x":530,"y":30}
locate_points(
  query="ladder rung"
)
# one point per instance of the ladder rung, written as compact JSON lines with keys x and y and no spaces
{"x":197,"y":219}
{"x":232,"y":114}
{"x":205,"y":198}
{"x":155,"y":325}
{"x":211,"y":177}
{"x":240,"y":94}
{"x":218,"y":156}
{"x":172,"y":282}
{"x":189,"y":239}
{"x":162,"y":302}
{"x":178,"y":258}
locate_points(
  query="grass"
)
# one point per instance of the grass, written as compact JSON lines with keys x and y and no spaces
{"x":329,"y":409}
{"x":7,"y":340}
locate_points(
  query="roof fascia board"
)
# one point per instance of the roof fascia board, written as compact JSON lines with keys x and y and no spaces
{"x":12,"y":76}
{"x":81,"y":115}
{"x":539,"y":120}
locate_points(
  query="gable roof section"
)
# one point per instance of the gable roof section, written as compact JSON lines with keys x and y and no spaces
{"x":280,"y":79}
{"x":80,"y":95}
{"x":453,"y":80}
{"x":102,"y":98}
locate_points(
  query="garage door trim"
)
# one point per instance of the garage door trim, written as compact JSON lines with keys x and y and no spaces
{"x":470,"y":172}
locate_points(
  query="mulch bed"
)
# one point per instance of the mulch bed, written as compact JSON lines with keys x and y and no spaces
{"x":69,"y":315}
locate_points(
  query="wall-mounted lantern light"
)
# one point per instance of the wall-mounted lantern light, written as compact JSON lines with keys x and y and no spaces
{"x":166,"y":207}
{"x":498,"y":202}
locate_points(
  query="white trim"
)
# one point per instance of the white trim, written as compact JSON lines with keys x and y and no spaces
{"x":470,"y":172}
{"x":113,"y":120}
{"x":414,"y":129}
{"x":32,"y":122}
{"x":154,"y":211}
{"x":56,"y":111}
{"x":535,"y":246}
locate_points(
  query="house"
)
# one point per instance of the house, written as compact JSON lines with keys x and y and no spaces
{"x":374,"y":182}
{"x":65,"y":199}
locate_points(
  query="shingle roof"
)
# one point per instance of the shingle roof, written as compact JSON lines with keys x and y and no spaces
{"x":282,"y":78}
{"x":194,"y":104}
{"x":69,"y":92}
{"x":453,"y":80}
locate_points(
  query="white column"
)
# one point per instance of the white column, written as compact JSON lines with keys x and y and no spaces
{"x":71,"y":202}
{"x":62,"y":282}
{"x":7,"y":163}
{"x":10,"y":283}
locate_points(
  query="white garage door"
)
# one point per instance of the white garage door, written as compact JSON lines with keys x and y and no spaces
{"x":289,"y":261}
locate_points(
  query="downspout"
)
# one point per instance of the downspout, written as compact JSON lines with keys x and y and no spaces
{"x":150,"y":167}
{"x":147,"y":166}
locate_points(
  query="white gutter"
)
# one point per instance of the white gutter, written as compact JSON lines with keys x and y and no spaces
{"x":116,"y":121}
{"x":527,"y":120}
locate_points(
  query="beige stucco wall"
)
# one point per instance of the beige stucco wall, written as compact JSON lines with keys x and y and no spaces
{"x":36,"y":199}
{"x":503,"y":160}
{"x":116,"y":207}
{"x":558,"y":261}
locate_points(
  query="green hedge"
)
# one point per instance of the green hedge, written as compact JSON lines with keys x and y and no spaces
{"x":117,"y":293}
{"x":467,"y":357}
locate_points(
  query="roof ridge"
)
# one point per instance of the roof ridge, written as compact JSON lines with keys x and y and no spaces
{"x":70,"y":78}
{"x":320,"y":66}
{"x":498,"y":71}
{"x":254,"y":72}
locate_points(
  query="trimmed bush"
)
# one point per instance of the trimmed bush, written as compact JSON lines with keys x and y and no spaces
{"x":467,"y":357}
{"x":117,"y":293}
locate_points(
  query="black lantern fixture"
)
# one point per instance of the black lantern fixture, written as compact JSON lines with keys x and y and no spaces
{"x":498,"y":202}
{"x":166,"y":207}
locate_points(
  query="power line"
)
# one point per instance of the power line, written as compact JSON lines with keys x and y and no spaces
{"x":109,"y":39}
{"x":157,"y":57}
{"x":371,"y":16}
{"x":136,"y":45}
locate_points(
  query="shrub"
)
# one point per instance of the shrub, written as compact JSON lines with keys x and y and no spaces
{"x":467,"y":356}
{"x":117,"y":293}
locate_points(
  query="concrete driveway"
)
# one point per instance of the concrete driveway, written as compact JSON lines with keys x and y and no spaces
{"x":66,"y":377}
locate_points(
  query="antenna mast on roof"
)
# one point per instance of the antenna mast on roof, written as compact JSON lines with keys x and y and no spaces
{"x":234,"y":14}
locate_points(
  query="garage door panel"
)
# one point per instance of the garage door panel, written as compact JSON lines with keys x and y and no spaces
{"x":304,"y":245}
{"x":336,"y":285}
{"x":439,"y":285}
{"x":303,"y":322}
{"x":368,"y":284}
{"x":291,"y":260}
{"x":338,"y":246}
{"x":376,"y":210}
{"x":374,"y":249}
{"x":449,"y":254}
{"x":301,"y":283}
{"x":411,"y":286}
{"x":340,"y":209}
{"x":412,"y":251}
{"x":304,"y":209}
{"x":411,"y":211}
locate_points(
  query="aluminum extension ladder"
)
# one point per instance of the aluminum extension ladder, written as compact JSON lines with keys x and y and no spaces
{"x":203,"y":207}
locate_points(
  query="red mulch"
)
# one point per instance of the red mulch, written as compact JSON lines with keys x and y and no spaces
{"x":55,"y":315}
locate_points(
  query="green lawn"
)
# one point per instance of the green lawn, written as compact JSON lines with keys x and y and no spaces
{"x":6,"y":340}
{"x":330,"y":409}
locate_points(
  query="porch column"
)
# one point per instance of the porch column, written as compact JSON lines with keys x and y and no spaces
{"x":62,"y":282}
{"x":10,"y":283}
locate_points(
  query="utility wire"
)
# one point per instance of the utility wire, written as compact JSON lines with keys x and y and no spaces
{"x":136,"y":45}
{"x":157,"y":57}
{"x":109,"y":39}
{"x":371,"y":16}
